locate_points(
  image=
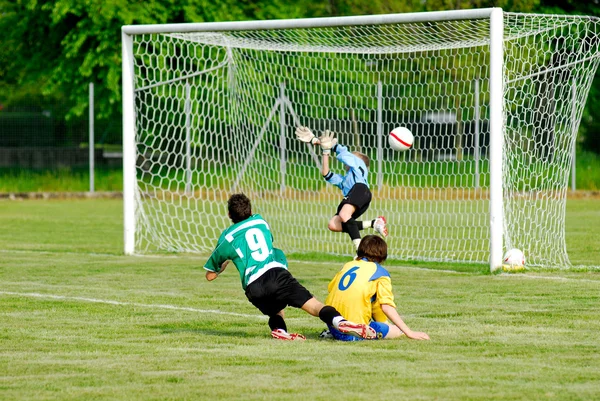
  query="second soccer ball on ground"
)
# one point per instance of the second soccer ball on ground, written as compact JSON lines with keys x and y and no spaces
{"x":513,"y":260}
{"x":401,"y":139}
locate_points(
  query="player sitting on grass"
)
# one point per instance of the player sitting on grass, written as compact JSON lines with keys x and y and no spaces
{"x":264,"y":274}
{"x":354,"y":185}
{"x":362,"y":291}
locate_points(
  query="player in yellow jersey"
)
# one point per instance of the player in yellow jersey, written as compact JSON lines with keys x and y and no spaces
{"x":362,"y":292}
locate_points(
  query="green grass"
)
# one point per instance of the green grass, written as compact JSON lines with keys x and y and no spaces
{"x":59,"y":180}
{"x":588,"y":171}
{"x":300,"y":174}
{"x":82,"y":322}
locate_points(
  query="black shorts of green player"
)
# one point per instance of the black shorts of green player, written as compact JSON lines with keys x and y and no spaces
{"x":360,"y":197}
{"x":275,"y":290}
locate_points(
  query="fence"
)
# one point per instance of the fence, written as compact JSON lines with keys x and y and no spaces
{"x":38,"y":136}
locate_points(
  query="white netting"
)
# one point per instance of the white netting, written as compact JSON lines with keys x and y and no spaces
{"x":216,"y":113}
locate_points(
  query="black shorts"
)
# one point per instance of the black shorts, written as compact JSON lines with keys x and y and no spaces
{"x":275,"y":290}
{"x":359,"y":197}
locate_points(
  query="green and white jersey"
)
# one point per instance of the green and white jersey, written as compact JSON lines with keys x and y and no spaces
{"x":249,"y":244}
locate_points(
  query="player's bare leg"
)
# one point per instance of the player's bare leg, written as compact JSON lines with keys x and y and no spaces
{"x":346,"y":212}
{"x":332,"y":317}
{"x":335,"y":224}
{"x":394,"y":332}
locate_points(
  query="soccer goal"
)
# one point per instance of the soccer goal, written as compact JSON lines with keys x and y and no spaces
{"x":493,"y":99}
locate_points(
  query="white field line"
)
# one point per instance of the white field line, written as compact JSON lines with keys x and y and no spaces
{"x":134,"y":304}
{"x":150,"y":306}
{"x":112,"y":255}
{"x":565,"y":279}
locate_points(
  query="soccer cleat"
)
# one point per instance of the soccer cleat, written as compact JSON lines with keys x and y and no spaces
{"x":380,"y":226}
{"x":356,"y":329}
{"x":281,"y":334}
{"x":326,"y":334}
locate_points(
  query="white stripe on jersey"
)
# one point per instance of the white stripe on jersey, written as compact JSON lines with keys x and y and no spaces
{"x":229,"y":236}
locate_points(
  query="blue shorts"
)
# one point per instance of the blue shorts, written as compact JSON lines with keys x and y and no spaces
{"x":382,"y":330}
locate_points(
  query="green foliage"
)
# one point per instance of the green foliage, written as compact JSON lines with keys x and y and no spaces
{"x":588,"y":171}
{"x":52,"y":49}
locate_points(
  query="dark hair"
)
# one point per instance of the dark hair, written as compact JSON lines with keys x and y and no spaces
{"x":373,"y":248}
{"x":239,"y":207}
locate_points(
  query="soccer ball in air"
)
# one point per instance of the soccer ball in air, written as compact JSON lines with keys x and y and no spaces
{"x":514,"y":260}
{"x":401,"y":139}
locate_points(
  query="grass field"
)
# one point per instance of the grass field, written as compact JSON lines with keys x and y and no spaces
{"x":79,"y":321}
{"x":444,"y":174}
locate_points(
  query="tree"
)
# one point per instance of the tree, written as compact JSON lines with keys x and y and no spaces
{"x":55,"y":48}
{"x":52,"y":49}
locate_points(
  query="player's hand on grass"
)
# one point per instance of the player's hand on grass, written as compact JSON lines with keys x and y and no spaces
{"x":304,"y":134}
{"x":417,"y":335}
{"x":328,"y":141}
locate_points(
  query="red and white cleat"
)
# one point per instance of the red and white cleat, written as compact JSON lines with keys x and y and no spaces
{"x":356,"y":329}
{"x":380,"y":226}
{"x":281,"y":334}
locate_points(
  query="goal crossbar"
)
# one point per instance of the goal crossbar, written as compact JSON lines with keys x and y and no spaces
{"x":301,"y":23}
{"x":494,"y":101}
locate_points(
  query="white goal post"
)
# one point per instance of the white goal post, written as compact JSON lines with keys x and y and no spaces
{"x":494,"y":100}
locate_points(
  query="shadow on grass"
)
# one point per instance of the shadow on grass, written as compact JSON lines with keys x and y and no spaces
{"x":204,"y":331}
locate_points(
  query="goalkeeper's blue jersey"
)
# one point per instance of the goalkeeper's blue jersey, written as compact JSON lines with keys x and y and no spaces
{"x":249,"y":245}
{"x":357,"y":171}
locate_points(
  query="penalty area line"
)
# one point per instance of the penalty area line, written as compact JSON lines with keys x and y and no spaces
{"x":553,"y":278}
{"x":134,"y":304}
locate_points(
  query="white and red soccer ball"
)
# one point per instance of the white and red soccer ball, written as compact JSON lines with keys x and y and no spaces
{"x":401,"y":139}
{"x":514,"y":258}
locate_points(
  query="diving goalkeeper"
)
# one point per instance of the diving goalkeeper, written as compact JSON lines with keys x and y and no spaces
{"x":354,"y":185}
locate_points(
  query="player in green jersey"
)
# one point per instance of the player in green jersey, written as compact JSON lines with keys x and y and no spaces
{"x":264,"y":274}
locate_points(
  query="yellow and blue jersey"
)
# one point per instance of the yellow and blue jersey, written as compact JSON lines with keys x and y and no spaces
{"x":358,"y":291}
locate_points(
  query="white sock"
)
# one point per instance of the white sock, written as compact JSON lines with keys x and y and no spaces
{"x":356,"y":242}
{"x":366,"y":224}
{"x":336,"y":321}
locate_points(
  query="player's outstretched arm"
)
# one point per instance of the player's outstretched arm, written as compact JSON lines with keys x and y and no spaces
{"x":393,"y":315}
{"x":304,"y":134}
{"x":210,"y":276}
{"x":325,"y":164}
{"x":327,"y":141}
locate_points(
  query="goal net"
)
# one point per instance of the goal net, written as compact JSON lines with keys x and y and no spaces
{"x":211,"y":109}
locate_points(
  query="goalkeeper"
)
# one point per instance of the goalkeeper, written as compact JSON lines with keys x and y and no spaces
{"x":264,"y":273}
{"x":362,"y":291}
{"x":354,"y":185}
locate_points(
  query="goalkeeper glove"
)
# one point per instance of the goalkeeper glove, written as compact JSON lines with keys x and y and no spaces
{"x":327,"y":141}
{"x":304,"y":134}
